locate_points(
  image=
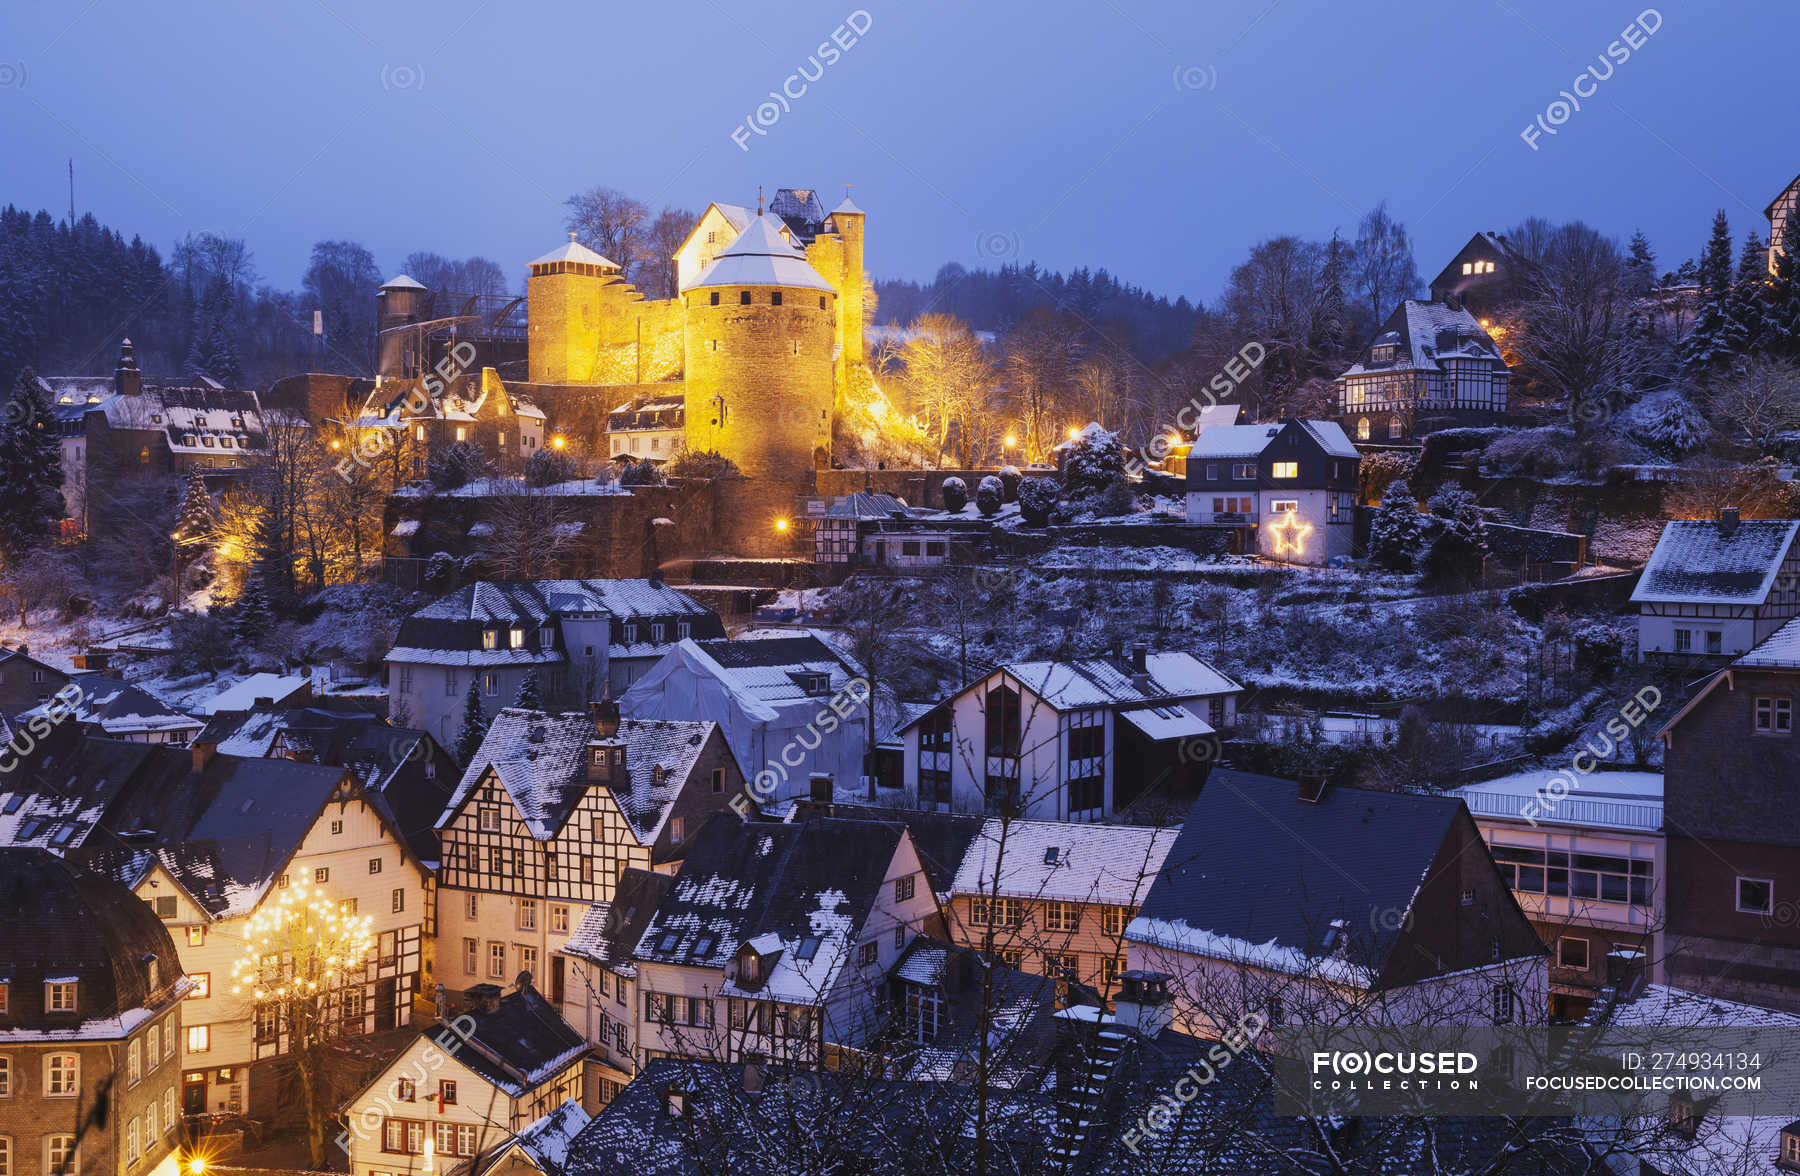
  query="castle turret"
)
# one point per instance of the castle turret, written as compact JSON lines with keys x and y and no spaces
{"x":399,"y":303}
{"x":570,"y":297}
{"x":127,"y":379}
{"x":760,"y":333}
{"x":848,"y":221}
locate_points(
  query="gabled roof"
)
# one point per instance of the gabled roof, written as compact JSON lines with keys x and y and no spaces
{"x":1258,"y":876}
{"x":810,"y":885}
{"x":1088,"y":682}
{"x":520,"y":1046}
{"x":1062,"y":861}
{"x":402,"y":282}
{"x":450,"y":630}
{"x":1426,"y":333}
{"x":118,"y":707}
{"x":538,"y":758}
{"x":1697,"y":560}
{"x":846,"y":205}
{"x":242,"y":695}
{"x":545,"y":1143}
{"x":1225,"y":441}
{"x":941,"y":840}
{"x":864,"y":505}
{"x":759,"y":257}
{"x":762,"y":673}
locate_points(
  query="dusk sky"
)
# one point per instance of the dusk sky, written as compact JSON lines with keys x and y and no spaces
{"x":1160,"y":140}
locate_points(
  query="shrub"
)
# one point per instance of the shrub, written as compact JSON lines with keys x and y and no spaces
{"x":702,"y":463}
{"x":455,"y":465}
{"x":1394,"y":532}
{"x":1010,"y":478}
{"x":1116,"y":499}
{"x":640,"y":473}
{"x":547,"y":467}
{"x":989,"y":495}
{"x":1094,"y":463}
{"x":1037,"y":498}
{"x":955,"y":493}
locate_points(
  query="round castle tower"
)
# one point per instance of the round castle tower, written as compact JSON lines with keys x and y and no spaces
{"x":400,"y":302}
{"x":760,"y":336}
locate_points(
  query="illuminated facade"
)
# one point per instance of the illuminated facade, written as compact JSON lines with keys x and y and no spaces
{"x":1433,"y":365}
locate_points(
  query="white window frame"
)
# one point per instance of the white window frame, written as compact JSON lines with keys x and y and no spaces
{"x":1738,"y":895}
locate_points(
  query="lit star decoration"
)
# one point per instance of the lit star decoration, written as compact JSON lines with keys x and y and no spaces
{"x":1290,"y":534}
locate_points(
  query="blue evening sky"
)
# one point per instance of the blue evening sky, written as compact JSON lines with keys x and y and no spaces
{"x":1159,"y":140}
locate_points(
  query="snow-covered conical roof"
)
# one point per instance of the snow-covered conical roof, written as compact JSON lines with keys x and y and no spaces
{"x":574,"y":251}
{"x":846,"y":205}
{"x":759,"y":257}
{"x":402,"y":282}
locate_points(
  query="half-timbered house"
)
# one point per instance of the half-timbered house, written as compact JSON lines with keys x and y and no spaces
{"x":546,"y":819}
{"x":1431,"y":366}
{"x":467,"y":1088}
{"x":600,"y":996}
{"x":775,"y":941}
{"x":205,"y":839}
{"x":1713,"y":589}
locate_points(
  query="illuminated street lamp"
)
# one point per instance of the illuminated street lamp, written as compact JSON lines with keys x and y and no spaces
{"x":557,"y":442}
{"x":781,"y":525}
{"x":1009,"y":441}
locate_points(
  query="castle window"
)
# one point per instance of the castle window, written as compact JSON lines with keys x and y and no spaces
{"x":821,"y":302}
{"x":744,"y":298}
{"x":500,"y":439}
{"x":775,"y":298}
{"x":796,"y":347}
{"x":712,"y":236}
{"x":462,"y":433}
{"x":712,"y":344}
{"x":715,"y":298}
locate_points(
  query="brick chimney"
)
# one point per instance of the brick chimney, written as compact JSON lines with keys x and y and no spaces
{"x":127,"y":379}
{"x":1140,"y":665}
{"x":202,"y":753}
{"x":483,"y":999}
{"x":1144,"y":1003}
{"x":1728,"y":521}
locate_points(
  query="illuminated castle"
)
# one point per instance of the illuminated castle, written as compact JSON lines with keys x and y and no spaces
{"x":759,"y":344}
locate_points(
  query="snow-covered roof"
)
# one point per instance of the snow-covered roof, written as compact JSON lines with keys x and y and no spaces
{"x":453,"y":630}
{"x":1427,"y":333}
{"x":1064,"y":861}
{"x":847,"y":205}
{"x":546,"y":1142}
{"x":538,"y":758}
{"x":759,"y":257}
{"x":402,"y":282}
{"x":1099,"y":681}
{"x":242,"y":695}
{"x":773,"y":672}
{"x":1625,"y":801}
{"x":1703,"y":560}
{"x":119,"y":708}
{"x":1779,"y":650}
{"x":574,"y":251}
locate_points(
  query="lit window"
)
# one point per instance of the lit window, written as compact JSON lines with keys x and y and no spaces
{"x":516,"y":639}
{"x":62,"y":1075}
{"x":490,"y":684}
{"x":202,"y":985}
{"x":490,"y":639}
{"x":199,"y":1038}
{"x":1285,"y":469}
{"x":1362,"y":428}
{"x":1468,"y":267}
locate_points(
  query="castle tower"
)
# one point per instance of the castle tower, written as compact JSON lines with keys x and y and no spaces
{"x":849,"y":221}
{"x":759,"y":333}
{"x":399,"y":303}
{"x":570,"y":299}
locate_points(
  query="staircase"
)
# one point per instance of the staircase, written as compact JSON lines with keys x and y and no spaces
{"x":1079,"y":1105}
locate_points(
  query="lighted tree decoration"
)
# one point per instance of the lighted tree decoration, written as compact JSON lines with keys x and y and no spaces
{"x":304,"y":954}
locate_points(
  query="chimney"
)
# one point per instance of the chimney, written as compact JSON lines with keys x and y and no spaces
{"x":605,"y":714}
{"x":203,"y":753}
{"x":820,"y":787}
{"x":1312,"y":785}
{"x":1728,"y":521}
{"x":483,"y":999}
{"x":1140,"y":658}
{"x":1144,"y":1003}
{"x":127,"y":379}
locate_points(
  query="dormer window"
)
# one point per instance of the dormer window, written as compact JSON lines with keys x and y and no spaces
{"x":59,"y":996}
{"x":1790,"y":1146}
{"x":750,"y":969}
{"x":517,"y":639}
{"x":490,"y":639}
{"x":237,"y":422}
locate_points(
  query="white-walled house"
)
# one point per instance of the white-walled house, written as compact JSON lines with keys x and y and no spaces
{"x":1289,"y":488}
{"x":600,"y":996}
{"x":789,"y":706}
{"x":583,"y":639}
{"x":205,"y":839}
{"x":1075,"y":740}
{"x":548,"y":816}
{"x":775,"y":940}
{"x":471,"y":1085}
{"x":1322,"y":906}
{"x":1714,"y":588}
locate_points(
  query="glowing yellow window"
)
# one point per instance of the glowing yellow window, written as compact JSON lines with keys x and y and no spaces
{"x":1285,"y":469}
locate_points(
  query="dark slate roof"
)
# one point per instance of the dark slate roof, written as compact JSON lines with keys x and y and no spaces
{"x":223,"y":830}
{"x":800,"y":210}
{"x":863,"y":505}
{"x":775,"y":651}
{"x":1697,"y":560}
{"x":118,"y":705}
{"x":521,"y":1045}
{"x":649,"y":413}
{"x":1019,"y":1014}
{"x":941,"y":839}
{"x":742,"y":880}
{"x":456,"y":622}
{"x":1258,"y":876}
{"x":609,"y":932}
{"x":358,"y":740}
{"x":66,"y":922}
{"x":1425,"y":333}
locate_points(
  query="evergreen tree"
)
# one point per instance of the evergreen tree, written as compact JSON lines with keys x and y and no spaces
{"x":1454,"y":558}
{"x":528,"y":692}
{"x":253,"y":615}
{"x":474,"y":725}
{"x":1640,"y":267}
{"x":195,"y":522}
{"x":1748,"y":304}
{"x":1330,"y":327}
{"x":31,"y":471}
{"x":1782,"y":316}
{"x":1715,"y":337}
{"x":1394,"y":531}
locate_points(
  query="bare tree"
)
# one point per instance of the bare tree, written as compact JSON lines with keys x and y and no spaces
{"x":610,"y":223}
{"x":1760,"y":399}
{"x":530,"y":532}
{"x":949,"y":376}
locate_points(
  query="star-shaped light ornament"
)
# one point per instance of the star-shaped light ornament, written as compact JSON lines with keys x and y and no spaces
{"x":1290,"y":534}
